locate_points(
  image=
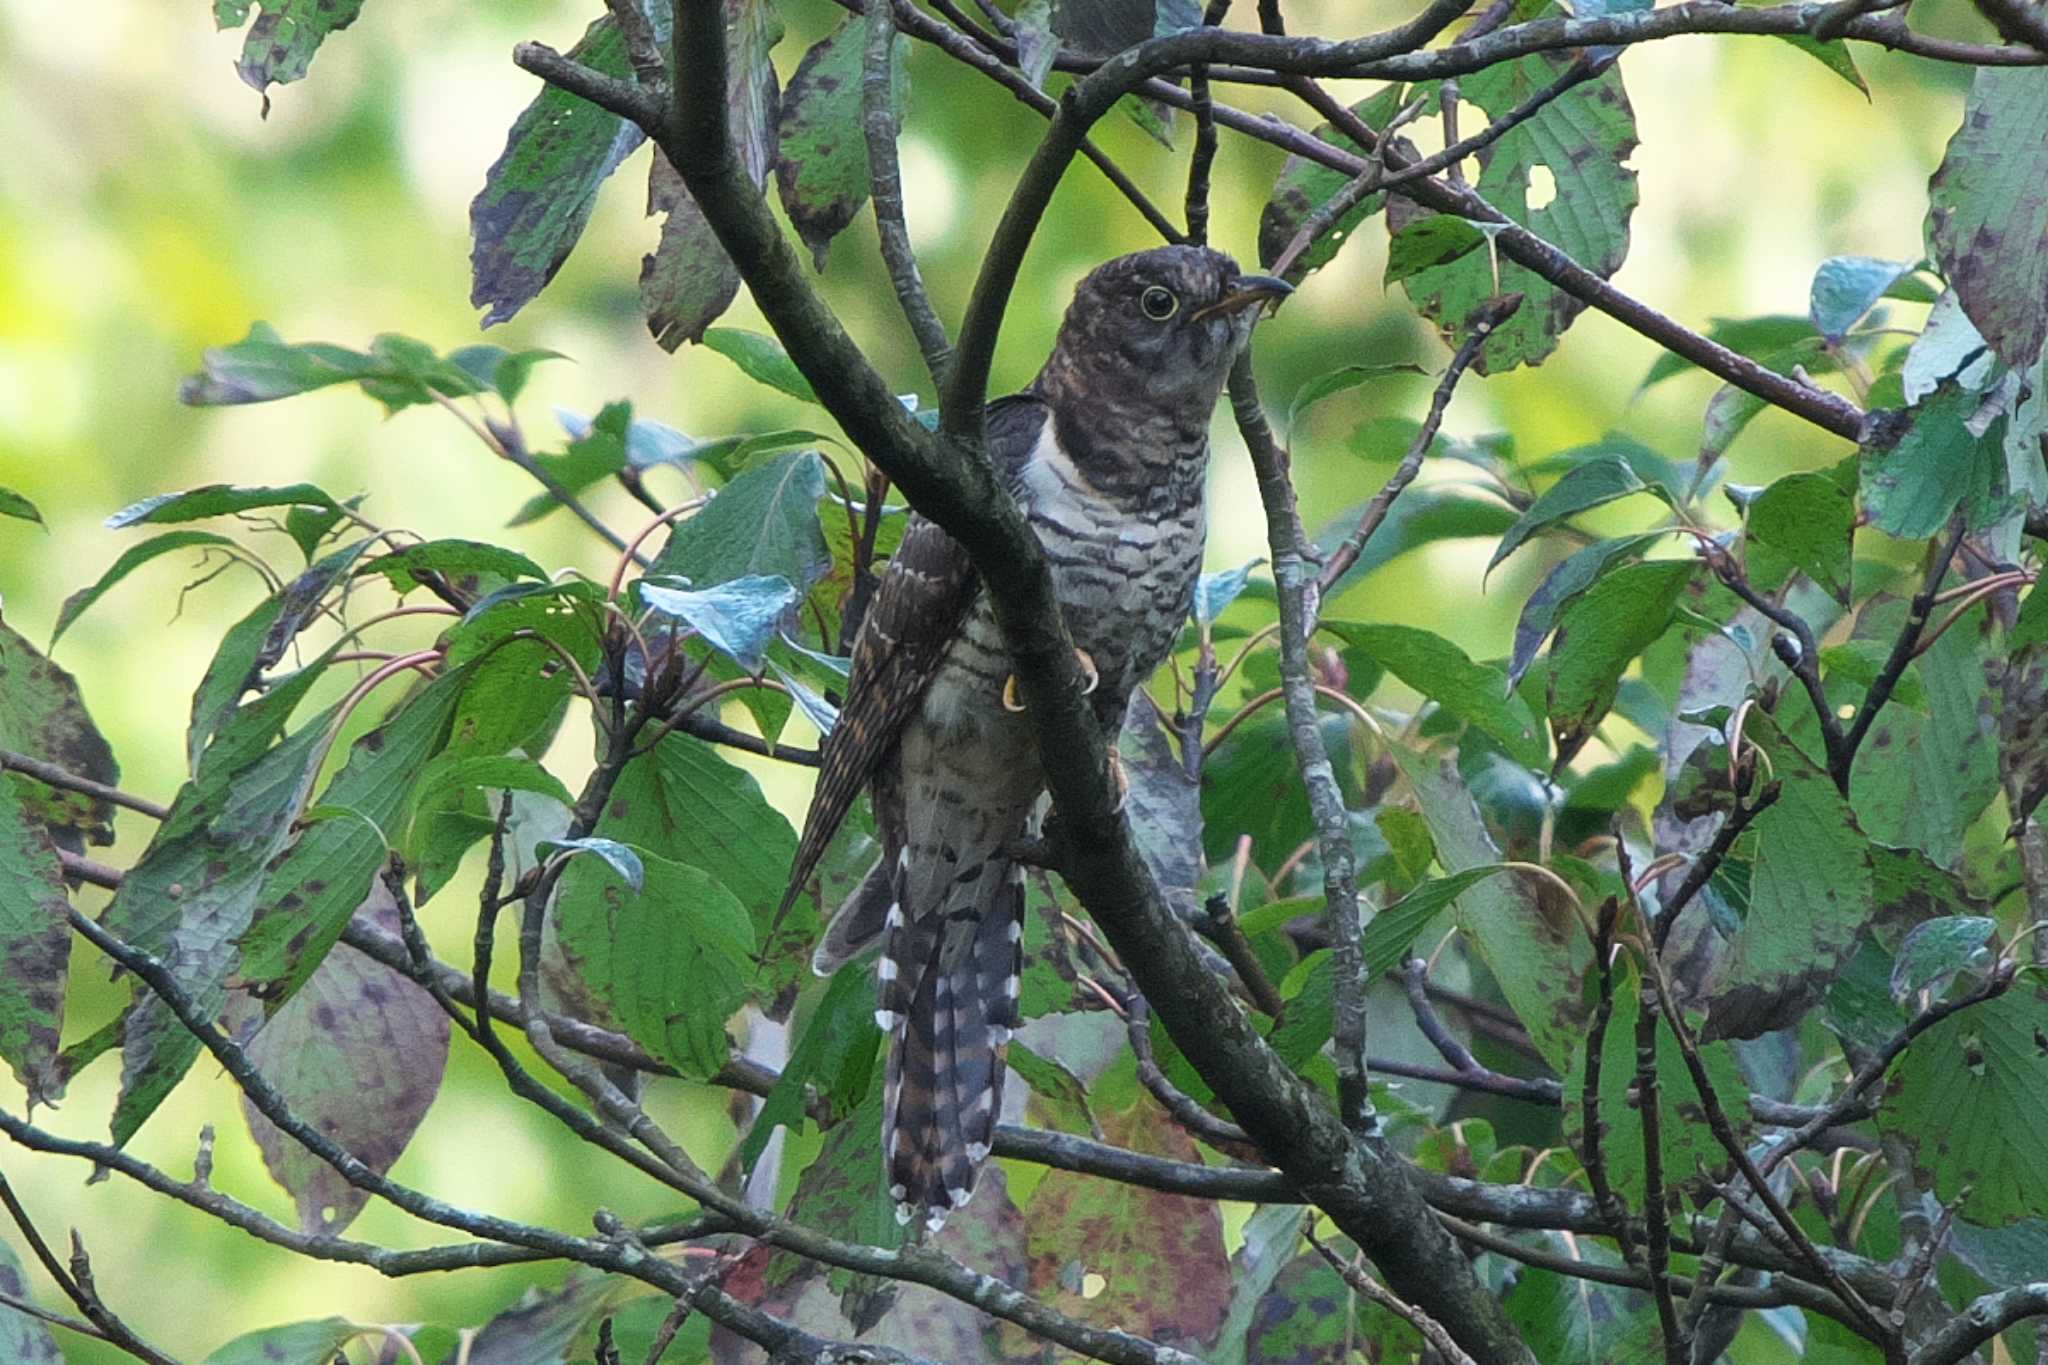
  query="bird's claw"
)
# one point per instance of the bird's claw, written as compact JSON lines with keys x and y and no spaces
{"x":1091,"y":679}
{"x":1117,"y":775}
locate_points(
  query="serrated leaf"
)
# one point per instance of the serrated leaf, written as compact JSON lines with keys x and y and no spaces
{"x":765,"y":522}
{"x":1986,"y":1063}
{"x":1600,"y":634}
{"x":761,"y":359}
{"x":682,"y":953}
{"x":1569,"y":578}
{"x":1525,"y":933}
{"x":738,"y":617}
{"x":452,"y":559}
{"x":1303,"y":186}
{"x":358,"y":1053}
{"x":1391,"y":931}
{"x":1593,"y":484}
{"x":821,"y":156}
{"x":1988,"y":212}
{"x":1810,"y":894}
{"x":1583,"y":139}
{"x":78,"y":603}
{"x":1934,"y":952}
{"x":538,"y":195}
{"x":1475,"y":693}
{"x":35,"y":952}
{"x":1809,"y":519}
{"x":1847,"y":287}
{"x":216,"y":500}
{"x":1913,"y":481}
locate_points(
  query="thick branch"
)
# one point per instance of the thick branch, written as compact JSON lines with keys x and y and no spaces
{"x":1982,"y":1320}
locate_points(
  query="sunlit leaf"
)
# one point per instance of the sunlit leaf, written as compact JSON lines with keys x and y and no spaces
{"x":1846,"y":287}
{"x":1589,"y":485}
{"x":737,"y":617}
{"x":216,"y":500}
{"x":1988,"y":217}
{"x":762,"y":359}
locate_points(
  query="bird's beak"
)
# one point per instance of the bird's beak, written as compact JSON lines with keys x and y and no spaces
{"x":1250,"y":291}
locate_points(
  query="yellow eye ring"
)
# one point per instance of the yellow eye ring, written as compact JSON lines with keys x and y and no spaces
{"x":1158,"y":304}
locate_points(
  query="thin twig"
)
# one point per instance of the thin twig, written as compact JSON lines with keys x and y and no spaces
{"x":1482,"y":327}
{"x":1432,"y":1331}
{"x":1656,"y":1216}
{"x":50,"y":775}
{"x":76,"y":1282}
{"x":878,"y":122}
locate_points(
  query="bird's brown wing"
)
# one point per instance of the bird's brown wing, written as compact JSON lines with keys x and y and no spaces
{"x":914,"y":618}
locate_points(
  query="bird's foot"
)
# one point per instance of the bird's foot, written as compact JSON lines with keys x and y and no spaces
{"x":1117,"y":775}
{"x":1091,"y":679}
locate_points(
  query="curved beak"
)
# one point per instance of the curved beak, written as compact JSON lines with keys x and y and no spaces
{"x":1250,"y":291}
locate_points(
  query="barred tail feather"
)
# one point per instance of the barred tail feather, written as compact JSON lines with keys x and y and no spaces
{"x":951,"y":1000}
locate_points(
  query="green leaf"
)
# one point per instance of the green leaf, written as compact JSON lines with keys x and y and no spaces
{"x":24,"y":1340}
{"x":1431,"y":242}
{"x":681,"y":954}
{"x":1922,"y":778}
{"x":1271,"y":1237}
{"x":1810,"y":520}
{"x":35,"y":949}
{"x":1525,"y":933}
{"x":1309,"y":1316}
{"x":1304,"y":186}
{"x":1810,"y":894}
{"x":1333,"y":382}
{"x":43,"y":716}
{"x":738,"y":617}
{"x":1913,"y":481}
{"x":834,"y":1058}
{"x":1421,"y":516}
{"x":1936,"y":951}
{"x":1583,"y":139}
{"x":821,"y":156}
{"x":1861,"y":662}
{"x":1835,"y":55}
{"x":1600,"y":633}
{"x":309,"y":894}
{"x":1846,"y":287}
{"x":1689,"y":1146}
{"x":765,"y":522}
{"x":1592,"y":484}
{"x":1987,"y":216}
{"x":131,"y":559}
{"x":216,"y":500}
{"x":397,"y":371}
{"x":1562,"y":586}
{"x":597,"y":450}
{"x":685,"y":803}
{"x":298,"y":1343}
{"x":1753,"y":337}
{"x":1390,"y":931}
{"x":1475,"y":693}
{"x":501,"y":371}
{"x":281,"y":43}
{"x":545,"y":1326}
{"x":1985,"y":1065}
{"x":761,"y":359}
{"x":538,"y":195}
{"x":499,"y":772}
{"x":1567,"y":1320}
{"x":358,"y":1053}
{"x":1948,"y":347}
{"x":194,"y":891}
{"x":13,"y":504}
{"x":456,"y":559}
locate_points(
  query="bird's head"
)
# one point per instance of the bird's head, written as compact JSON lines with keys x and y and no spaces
{"x":1165,"y":323}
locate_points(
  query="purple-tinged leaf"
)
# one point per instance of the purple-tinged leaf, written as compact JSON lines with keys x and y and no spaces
{"x":358,"y":1053}
{"x":43,"y":716}
{"x":24,"y":1340}
{"x":281,"y":43}
{"x":821,"y":154}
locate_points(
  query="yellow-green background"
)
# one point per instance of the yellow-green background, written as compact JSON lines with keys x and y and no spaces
{"x":147,"y":211}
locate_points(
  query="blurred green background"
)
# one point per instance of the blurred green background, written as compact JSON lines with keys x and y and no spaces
{"x":147,"y":211}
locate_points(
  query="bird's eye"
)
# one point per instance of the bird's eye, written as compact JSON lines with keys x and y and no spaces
{"x":1159,"y":304}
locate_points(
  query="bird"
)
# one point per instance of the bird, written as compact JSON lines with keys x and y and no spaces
{"x":1107,"y":452}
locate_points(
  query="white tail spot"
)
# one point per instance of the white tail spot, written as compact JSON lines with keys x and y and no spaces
{"x":1016,"y":931}
{"x":977,"y":1152}
{"x":999,"y":1035}
{"x":887,"y":1020}
{"x":885,"y":970}
{"x":894,"y":919}
{"x":958,"y":1196}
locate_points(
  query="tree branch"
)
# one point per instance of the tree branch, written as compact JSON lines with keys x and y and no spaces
{"x":76,"y":1283}
{"x":50,"y":775}
{"x":878,"y":123}
{"x":1984,"y":1319}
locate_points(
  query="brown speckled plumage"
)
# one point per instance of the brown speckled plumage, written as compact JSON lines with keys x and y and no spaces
{"x":1107,"y":452}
